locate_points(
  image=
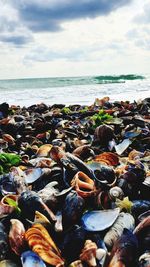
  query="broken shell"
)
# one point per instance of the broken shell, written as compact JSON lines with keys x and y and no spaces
{"x":88,"y":253}
{"x":120,"y":148}
{"x":16,"y":236}
{"x":40,"y":218}
{"x":84,"y":185}
{"x":94,"y":220}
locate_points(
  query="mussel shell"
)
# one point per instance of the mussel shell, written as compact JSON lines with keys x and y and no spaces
{"x":73,"y":242}
{"x":99,"y":220}
{"x":105,"y":176}
{"x":72,"y":209}
{"x":139,"y":207}
{"x":29,"y":258}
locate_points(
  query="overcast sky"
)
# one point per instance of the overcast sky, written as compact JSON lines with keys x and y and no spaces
{"x":74,"y":37}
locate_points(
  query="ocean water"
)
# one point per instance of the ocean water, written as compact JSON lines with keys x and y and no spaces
{"x":74,"y":90}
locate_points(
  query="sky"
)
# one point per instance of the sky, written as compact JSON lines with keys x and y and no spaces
{"x":74,"y":38}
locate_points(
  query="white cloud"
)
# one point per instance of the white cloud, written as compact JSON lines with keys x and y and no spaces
{"x":113,"y":42}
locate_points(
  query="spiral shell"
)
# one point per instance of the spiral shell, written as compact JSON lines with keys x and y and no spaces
{"x":116,"y":192}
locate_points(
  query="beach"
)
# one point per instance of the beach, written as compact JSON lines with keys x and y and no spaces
{"x":74,"y":183}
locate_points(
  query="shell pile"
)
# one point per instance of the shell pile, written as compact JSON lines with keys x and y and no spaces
{"x":75,"y":185}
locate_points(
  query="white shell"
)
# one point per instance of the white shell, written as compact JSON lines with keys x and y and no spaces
{"x":124,"y":220}
{"x":99,"y":220}
{"x":120,"y":148}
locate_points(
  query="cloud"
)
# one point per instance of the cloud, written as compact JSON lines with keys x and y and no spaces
{"x":140,"y":37}
{"x":48,"y":15}
{"x":143,"y":17}
{"x":17,"y":40}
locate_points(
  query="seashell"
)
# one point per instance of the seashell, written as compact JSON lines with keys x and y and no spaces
{"x":48,"y":194}
{"x":144,"y":215}
{"x":124,"y":220}
{"x":132,"y":134}
{"x":71,"y":250}
{"x":103,"y":200}
{"x":83,"y":152}
{"x":40,"y":218}
{"x":29,"y":258}
{"x":103,"y":134}
{"x":3,"y":243}
{"x":41,"y":162}
{"x":107,"y":158}
{"x":120,"y":148}
{"x":44,"y":150}
{"x":72,"y":209}
{"x":101,"y":255}
{"x":8,"y":263}
{"x":124,"y":250}
{"x":134,"y":154}
{"x":16,"y":236}
{"x":83,"y":185}
{"x":104,"y":176}
{"x":41,"y":243}
{"x":78,"y":143}
{"x":144,"y":223}
{"x":76,"y":263}
{"x":58,"y":224}
{"x":94,"y":220}
{"x":18,"y":179}
{"x":144,"y":260}
{"x":114,"y":121}
{"x":32,"y":174}
{"x":8,"y":204}
{"x":70,"y":162}
{"x":139,"y":207}
{"x":88,"y":253}
{"x":116,"y":192}
{"x":29,"y":202}
{"x":8,"y":138}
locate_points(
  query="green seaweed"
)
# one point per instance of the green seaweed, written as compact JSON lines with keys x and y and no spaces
{"x":66,"y":110}
{"x":13,"y":203}
{"x":7,"y":160}
{"x":100,"y":118}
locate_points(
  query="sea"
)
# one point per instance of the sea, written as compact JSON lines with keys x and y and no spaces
{"x":74,"y":90}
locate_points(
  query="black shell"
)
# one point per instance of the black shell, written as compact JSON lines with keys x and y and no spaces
{"x":72,"y":209}
{"x":73,"y":243}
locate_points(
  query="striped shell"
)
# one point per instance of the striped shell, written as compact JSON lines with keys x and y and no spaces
{"x":41,"y":243}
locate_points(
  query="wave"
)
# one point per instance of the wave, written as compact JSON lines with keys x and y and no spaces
{"x":119,"y":78}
